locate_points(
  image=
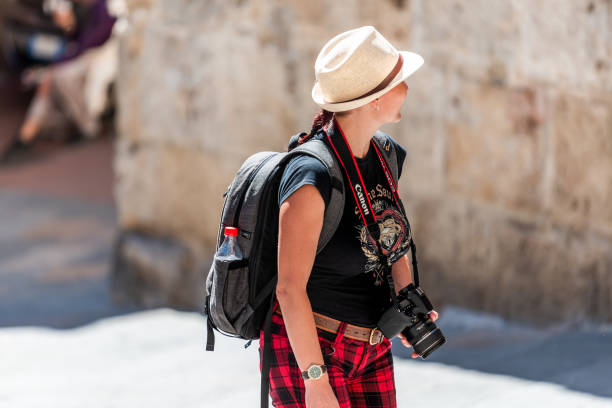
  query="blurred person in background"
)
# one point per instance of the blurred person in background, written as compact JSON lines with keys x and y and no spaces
{"x":76,"y":83}
{"x":29,"y":35}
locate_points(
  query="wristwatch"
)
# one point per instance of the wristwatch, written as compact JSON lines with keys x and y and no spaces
{"x":314,"y":372}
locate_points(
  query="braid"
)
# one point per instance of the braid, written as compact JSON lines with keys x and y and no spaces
{"x":320,"y":119}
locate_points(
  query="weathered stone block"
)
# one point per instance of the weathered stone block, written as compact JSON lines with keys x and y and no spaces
{"x":581,"y":39}
{"x":422,"y":133}
{"x":155,"y":272}
{"x":205,"y":84}
{"x":496,"y":148}
{"x":181,"y":195}
{"x":472,"y":37}
{"x":540,"y":273}
{"x":582,"y":155}
{"x":128,"y":115}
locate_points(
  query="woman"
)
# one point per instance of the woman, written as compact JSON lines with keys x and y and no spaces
{"x":326,"y":349}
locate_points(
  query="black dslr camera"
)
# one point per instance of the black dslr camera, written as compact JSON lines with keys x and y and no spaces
{"x":410,"y":317}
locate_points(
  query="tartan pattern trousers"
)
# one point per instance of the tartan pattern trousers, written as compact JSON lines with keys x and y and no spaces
{"x":360,"y":374}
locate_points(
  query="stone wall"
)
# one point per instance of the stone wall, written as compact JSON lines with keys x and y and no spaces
{"x":508,"y":127}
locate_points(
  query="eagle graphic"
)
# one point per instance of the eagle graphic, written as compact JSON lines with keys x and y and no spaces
{"x":394,"y":238}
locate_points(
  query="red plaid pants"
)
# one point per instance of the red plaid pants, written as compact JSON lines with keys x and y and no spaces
{"x":360,"y":374}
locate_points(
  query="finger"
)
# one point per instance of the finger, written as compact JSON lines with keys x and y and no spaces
{"x":414,"y":355}
{"x":433,"y":315}
{"x":405,"y":342}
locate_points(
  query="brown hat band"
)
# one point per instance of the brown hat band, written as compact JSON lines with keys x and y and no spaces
{"x":385,"y":82}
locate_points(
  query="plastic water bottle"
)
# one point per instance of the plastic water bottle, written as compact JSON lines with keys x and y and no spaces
{"x":229,"y":249}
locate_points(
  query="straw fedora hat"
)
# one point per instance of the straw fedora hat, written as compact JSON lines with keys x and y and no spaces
{"x":358,"y":66}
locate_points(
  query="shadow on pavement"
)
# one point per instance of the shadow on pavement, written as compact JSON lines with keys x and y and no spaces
{"x":58,"y":228}
{"x":54,"y":261}
{"x":575,"y":356}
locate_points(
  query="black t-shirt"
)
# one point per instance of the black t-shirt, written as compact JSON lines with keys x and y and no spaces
{"x":341,"y":283}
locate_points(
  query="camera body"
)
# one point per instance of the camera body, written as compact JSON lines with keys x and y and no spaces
{"x":411,"y":318}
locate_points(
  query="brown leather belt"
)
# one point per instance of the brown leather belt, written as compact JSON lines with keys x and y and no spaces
{"x":371,"y":335}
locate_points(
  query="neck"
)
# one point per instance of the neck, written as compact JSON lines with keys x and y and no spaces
{"x":358,"y":132}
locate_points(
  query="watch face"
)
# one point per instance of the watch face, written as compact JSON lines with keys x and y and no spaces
{"x":314,"y":372}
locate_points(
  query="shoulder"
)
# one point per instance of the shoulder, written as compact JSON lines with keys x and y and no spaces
{"x":303,"y":163}
{"x":385,"y":137}
{"x":400,"y":151}
{"x":304,"y":170}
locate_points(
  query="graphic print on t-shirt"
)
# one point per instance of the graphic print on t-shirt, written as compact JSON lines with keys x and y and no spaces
{"x":394,"y":230}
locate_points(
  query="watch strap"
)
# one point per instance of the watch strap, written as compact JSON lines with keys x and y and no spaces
{"x":306,"y":375}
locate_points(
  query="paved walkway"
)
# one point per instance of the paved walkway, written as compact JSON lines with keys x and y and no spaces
{"x":58,"y":227}
{"x":570,"y":357}
{"x":157,"y":359}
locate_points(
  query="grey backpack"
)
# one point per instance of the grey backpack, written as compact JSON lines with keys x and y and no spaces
{"x":240,"y":293}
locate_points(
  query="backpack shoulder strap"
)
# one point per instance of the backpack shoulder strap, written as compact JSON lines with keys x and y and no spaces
{"x":335,"y":207}
{"x":387,"y":148}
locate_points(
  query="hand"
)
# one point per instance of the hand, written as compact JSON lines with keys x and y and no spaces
{"x":433,"y":315}
{"x":319,"y":394}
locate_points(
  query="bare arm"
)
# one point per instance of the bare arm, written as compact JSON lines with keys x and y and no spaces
{"x":300,"y":222}
{"x":401,"y":273}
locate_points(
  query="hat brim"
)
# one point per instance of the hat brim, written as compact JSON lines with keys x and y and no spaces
{"x":412,"y":62}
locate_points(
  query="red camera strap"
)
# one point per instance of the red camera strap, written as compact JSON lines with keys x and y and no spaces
{"x":347,"y":160}
{"x":345,"y":155}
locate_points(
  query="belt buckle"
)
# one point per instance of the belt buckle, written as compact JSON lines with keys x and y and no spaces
{"x":374,"y":330}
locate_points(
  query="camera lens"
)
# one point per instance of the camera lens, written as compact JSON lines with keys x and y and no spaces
{"x":425,"y":337}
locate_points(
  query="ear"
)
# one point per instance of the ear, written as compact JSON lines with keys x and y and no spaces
{"x":372,"y":104}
